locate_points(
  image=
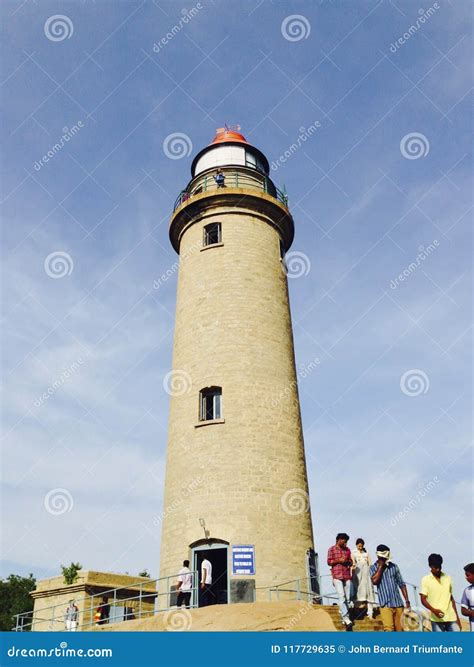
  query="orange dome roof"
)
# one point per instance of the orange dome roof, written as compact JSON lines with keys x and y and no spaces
{"x":230,"y":135}
{"x":224,"y":135}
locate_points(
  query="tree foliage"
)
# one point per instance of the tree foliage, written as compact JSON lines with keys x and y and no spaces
{"x":15,"y":598}
{"x":70,"y":572}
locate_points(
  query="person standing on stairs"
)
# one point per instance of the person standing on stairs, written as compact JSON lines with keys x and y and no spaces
{"x":467,"y":601}
{"x":361,"y":580}
{"x":387,"y":577}
{"x":436,"y":594}
{"x":340,"y":562}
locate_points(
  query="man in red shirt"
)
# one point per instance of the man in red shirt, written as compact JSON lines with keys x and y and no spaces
{"x":340,"y":561}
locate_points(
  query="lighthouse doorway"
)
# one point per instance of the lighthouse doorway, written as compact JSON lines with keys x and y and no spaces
{"x":217,"y":554}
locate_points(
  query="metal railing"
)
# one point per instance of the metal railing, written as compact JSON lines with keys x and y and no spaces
{"x":122,"y":606}
{"x":232,"y":179}
{"x":146,"y":603}
{"x":302,"y":589}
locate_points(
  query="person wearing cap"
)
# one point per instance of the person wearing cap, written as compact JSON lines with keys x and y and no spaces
{"x":436,"y":593}
{"x":387,"y":577}
{"x":340,"y":562}
{"x":71,"y":616}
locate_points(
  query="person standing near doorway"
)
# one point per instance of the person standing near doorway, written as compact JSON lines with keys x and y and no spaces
{"x":71,"y":616}
{"x":389,"y":581}
{"x":185,"y":585}
{"x":206,"y":582}
{"x":340,"y":562}
{"x":436,"y":594}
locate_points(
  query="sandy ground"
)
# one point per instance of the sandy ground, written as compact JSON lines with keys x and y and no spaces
{"x":257,"y":617}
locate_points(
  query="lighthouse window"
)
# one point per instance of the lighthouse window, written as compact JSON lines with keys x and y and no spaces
{"x":210,"y":403}
{"x":250,"y":160}
{"x":212,"y":233}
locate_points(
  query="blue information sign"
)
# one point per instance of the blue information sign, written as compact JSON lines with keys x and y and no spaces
{"x":243,"y":559}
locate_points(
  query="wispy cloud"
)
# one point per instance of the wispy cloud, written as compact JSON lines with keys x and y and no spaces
{"x":84,"y":355}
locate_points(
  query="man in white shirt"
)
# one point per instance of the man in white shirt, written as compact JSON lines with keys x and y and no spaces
{"x":206,"y":582}
{"x":185,"y":585}
{"x":467,"y":602}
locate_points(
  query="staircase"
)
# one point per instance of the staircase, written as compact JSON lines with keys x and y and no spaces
{"x":360,"y":621}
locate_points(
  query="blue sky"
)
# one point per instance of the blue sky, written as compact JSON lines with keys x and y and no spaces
{"x":388,"y":459}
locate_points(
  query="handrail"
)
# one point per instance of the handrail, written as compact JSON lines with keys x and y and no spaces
{"x":301,"y":588}
{"x":233,"y":179}
{"x":299,"y":593}
{"x":54,"y":614}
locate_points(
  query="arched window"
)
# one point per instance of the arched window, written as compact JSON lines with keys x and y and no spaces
{"x":210,"y":403}
{"x":212,"y":234}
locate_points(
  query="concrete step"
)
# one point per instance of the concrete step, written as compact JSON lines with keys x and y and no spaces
{"x":361,"y":623}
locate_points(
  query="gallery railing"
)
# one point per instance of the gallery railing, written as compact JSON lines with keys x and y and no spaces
{"x":232,"y":179}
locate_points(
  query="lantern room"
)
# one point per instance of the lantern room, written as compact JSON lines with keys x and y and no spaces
{"x":229,"y":148}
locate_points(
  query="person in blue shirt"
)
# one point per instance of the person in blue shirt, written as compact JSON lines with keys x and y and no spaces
{"x":387,"y":577}
{"x":219,"y":179}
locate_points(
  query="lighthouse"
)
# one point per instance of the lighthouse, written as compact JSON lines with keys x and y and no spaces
{"x":236,"y":489}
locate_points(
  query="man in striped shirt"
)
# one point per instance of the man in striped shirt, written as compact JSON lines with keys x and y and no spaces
{"x":389,"y":581}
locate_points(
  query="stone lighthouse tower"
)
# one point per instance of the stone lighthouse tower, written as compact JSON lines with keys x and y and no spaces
{"x":236,"y":488}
